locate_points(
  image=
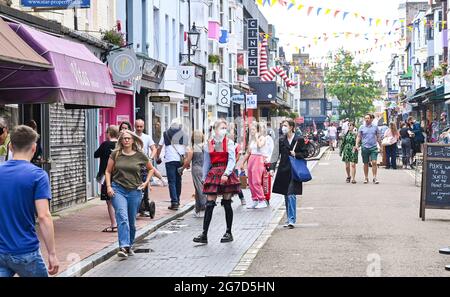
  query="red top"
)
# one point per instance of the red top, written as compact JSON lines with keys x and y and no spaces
{"x":218,"y":157}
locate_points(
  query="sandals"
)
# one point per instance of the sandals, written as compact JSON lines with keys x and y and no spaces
{"x":348,"y":179}
{"x":366,"y":181}
{"x":353,"y":181}
{"x":110,"y":229}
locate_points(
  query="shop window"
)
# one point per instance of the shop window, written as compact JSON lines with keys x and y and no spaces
{"x":10,"y":112}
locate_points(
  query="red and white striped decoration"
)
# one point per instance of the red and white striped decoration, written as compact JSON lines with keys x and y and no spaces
{"x":268,"y":75}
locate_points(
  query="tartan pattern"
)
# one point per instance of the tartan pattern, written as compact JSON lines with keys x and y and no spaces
{"x":213,"y":186}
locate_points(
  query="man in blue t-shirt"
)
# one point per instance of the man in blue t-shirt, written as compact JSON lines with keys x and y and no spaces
{"x":24,"y":193}
{"x":369,"y":136}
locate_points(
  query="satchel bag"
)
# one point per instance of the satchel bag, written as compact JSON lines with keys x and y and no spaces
{"x":299,"y":169}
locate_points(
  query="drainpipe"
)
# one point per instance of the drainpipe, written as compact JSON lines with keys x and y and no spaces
{"x":444,"y":30}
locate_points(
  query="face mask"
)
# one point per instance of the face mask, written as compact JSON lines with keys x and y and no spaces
{"x":222,"y":132}
{"x":285,"y":130}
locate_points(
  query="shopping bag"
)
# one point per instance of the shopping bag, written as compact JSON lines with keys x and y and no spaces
{"x":243,"y":180}
{"x":300,"y":171}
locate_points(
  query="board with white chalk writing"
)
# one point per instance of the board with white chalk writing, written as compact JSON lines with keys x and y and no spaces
{"x":436,"y":178}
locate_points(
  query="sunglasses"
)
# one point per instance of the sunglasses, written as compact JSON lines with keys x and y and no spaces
{"x":2,"y":130}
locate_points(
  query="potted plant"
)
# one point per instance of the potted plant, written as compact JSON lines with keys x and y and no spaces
{"x":444,"y":67}
{"x":214,"y":59}
{"x":429,"y":76}
{"x":241,"y":71}
{"x":113,"y":36}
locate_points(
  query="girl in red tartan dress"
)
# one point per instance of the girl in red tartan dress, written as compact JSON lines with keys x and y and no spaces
{"x":219,"y":179}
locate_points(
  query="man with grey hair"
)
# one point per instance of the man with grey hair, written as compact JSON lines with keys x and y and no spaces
{"x":177,"y":157}
{"x":5,"y":152}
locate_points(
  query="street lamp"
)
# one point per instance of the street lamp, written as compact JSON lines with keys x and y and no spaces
{"x":193,"y":39}
{"x":417,"y":67}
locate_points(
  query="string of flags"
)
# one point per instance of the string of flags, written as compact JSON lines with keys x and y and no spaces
{"x":344,"y":15}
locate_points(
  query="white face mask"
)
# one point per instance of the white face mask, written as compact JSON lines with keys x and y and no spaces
{"x":285,"y":130}
{"x":222,"y":132}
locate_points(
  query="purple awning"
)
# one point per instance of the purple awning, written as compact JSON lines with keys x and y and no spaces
{"x":78,"y":77}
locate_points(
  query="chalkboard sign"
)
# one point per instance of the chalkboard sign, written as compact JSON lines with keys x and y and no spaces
{"x":435,"y":178}
{"x":435,"y":151}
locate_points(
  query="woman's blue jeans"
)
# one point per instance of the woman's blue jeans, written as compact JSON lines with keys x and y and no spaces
{"x":291,"y":208}
{"x":126,"y":203}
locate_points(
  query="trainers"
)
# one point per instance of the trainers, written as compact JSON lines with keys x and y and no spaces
{"x":201,"y":238}
{"x":122,"y":253}
{"x":366,"y":181}
{"x":173,"y":207}
{"x":199,"y":214}
{"x":227,"y":237}
{"x":261,"y":204}
{"x":253,"y":205}
{"x":290,"y":226}
{"x":145,"y":214}
{"x":130,"y":251}
{"x":375,"y":181}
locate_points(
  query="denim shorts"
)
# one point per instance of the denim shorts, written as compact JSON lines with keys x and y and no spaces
{"x":25,"y":265}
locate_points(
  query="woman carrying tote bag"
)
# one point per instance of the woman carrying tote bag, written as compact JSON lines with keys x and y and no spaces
{"x":285,"y":184}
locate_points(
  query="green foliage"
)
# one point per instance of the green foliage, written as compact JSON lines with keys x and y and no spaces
{"x":214,"y":59}
{"x":293,"y":115}
{"x":241,"y":71}
{"x":113,"y":36}
{"x":353,"y":84}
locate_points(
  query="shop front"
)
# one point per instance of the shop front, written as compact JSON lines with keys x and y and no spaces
{"x":59,"y":101}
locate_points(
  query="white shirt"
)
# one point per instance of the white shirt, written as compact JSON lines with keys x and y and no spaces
{"x":270,"y":145}
{"x":332,"y":131}
{"x":148,"y":142}
{"x":266,"y":150}
{"x":170,"y":153}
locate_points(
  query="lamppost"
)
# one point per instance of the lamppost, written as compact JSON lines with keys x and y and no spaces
{"x":193,"y":39}
{"x":417,"y":67}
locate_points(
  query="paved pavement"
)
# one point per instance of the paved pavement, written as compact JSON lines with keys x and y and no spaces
{"x":357,"y":230}
{"x":171,"y":251}
{"x":78,"y":230}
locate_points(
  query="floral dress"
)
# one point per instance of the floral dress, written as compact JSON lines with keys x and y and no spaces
{"x":349,"y":142}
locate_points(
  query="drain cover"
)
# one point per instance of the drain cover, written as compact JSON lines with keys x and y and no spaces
{"x":143,"y":251}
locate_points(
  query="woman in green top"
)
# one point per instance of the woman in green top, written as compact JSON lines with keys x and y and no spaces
{"x":349,"y":155}
{"x":125,"y":186}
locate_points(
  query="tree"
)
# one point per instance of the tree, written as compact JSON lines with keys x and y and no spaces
{"x":353,"y":84}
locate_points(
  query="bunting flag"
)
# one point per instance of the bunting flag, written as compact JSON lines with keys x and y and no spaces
{"x":300,"y":6}
{"x":318,"y":10}
{"x":327,"y":12}
{"x":310,"y":9}
{"x":336,"y":13}
{"x":345,"y":14}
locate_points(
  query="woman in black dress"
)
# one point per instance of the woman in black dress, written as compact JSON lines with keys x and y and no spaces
{"x":289,"y":145}
{"x":103,"y":152}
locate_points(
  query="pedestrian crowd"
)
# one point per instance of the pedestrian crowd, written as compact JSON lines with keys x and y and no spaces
{"x":128,"y":167}
{"x":220,"y":165}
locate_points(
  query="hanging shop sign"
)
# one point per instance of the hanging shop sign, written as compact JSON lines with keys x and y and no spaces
{"x":252,"y":101}
{"x":124,"y":65}
{"x":224,"y":96}
{"x":62,"y":4}
{"x":405,"y":82}
{"x":252,"y":45}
